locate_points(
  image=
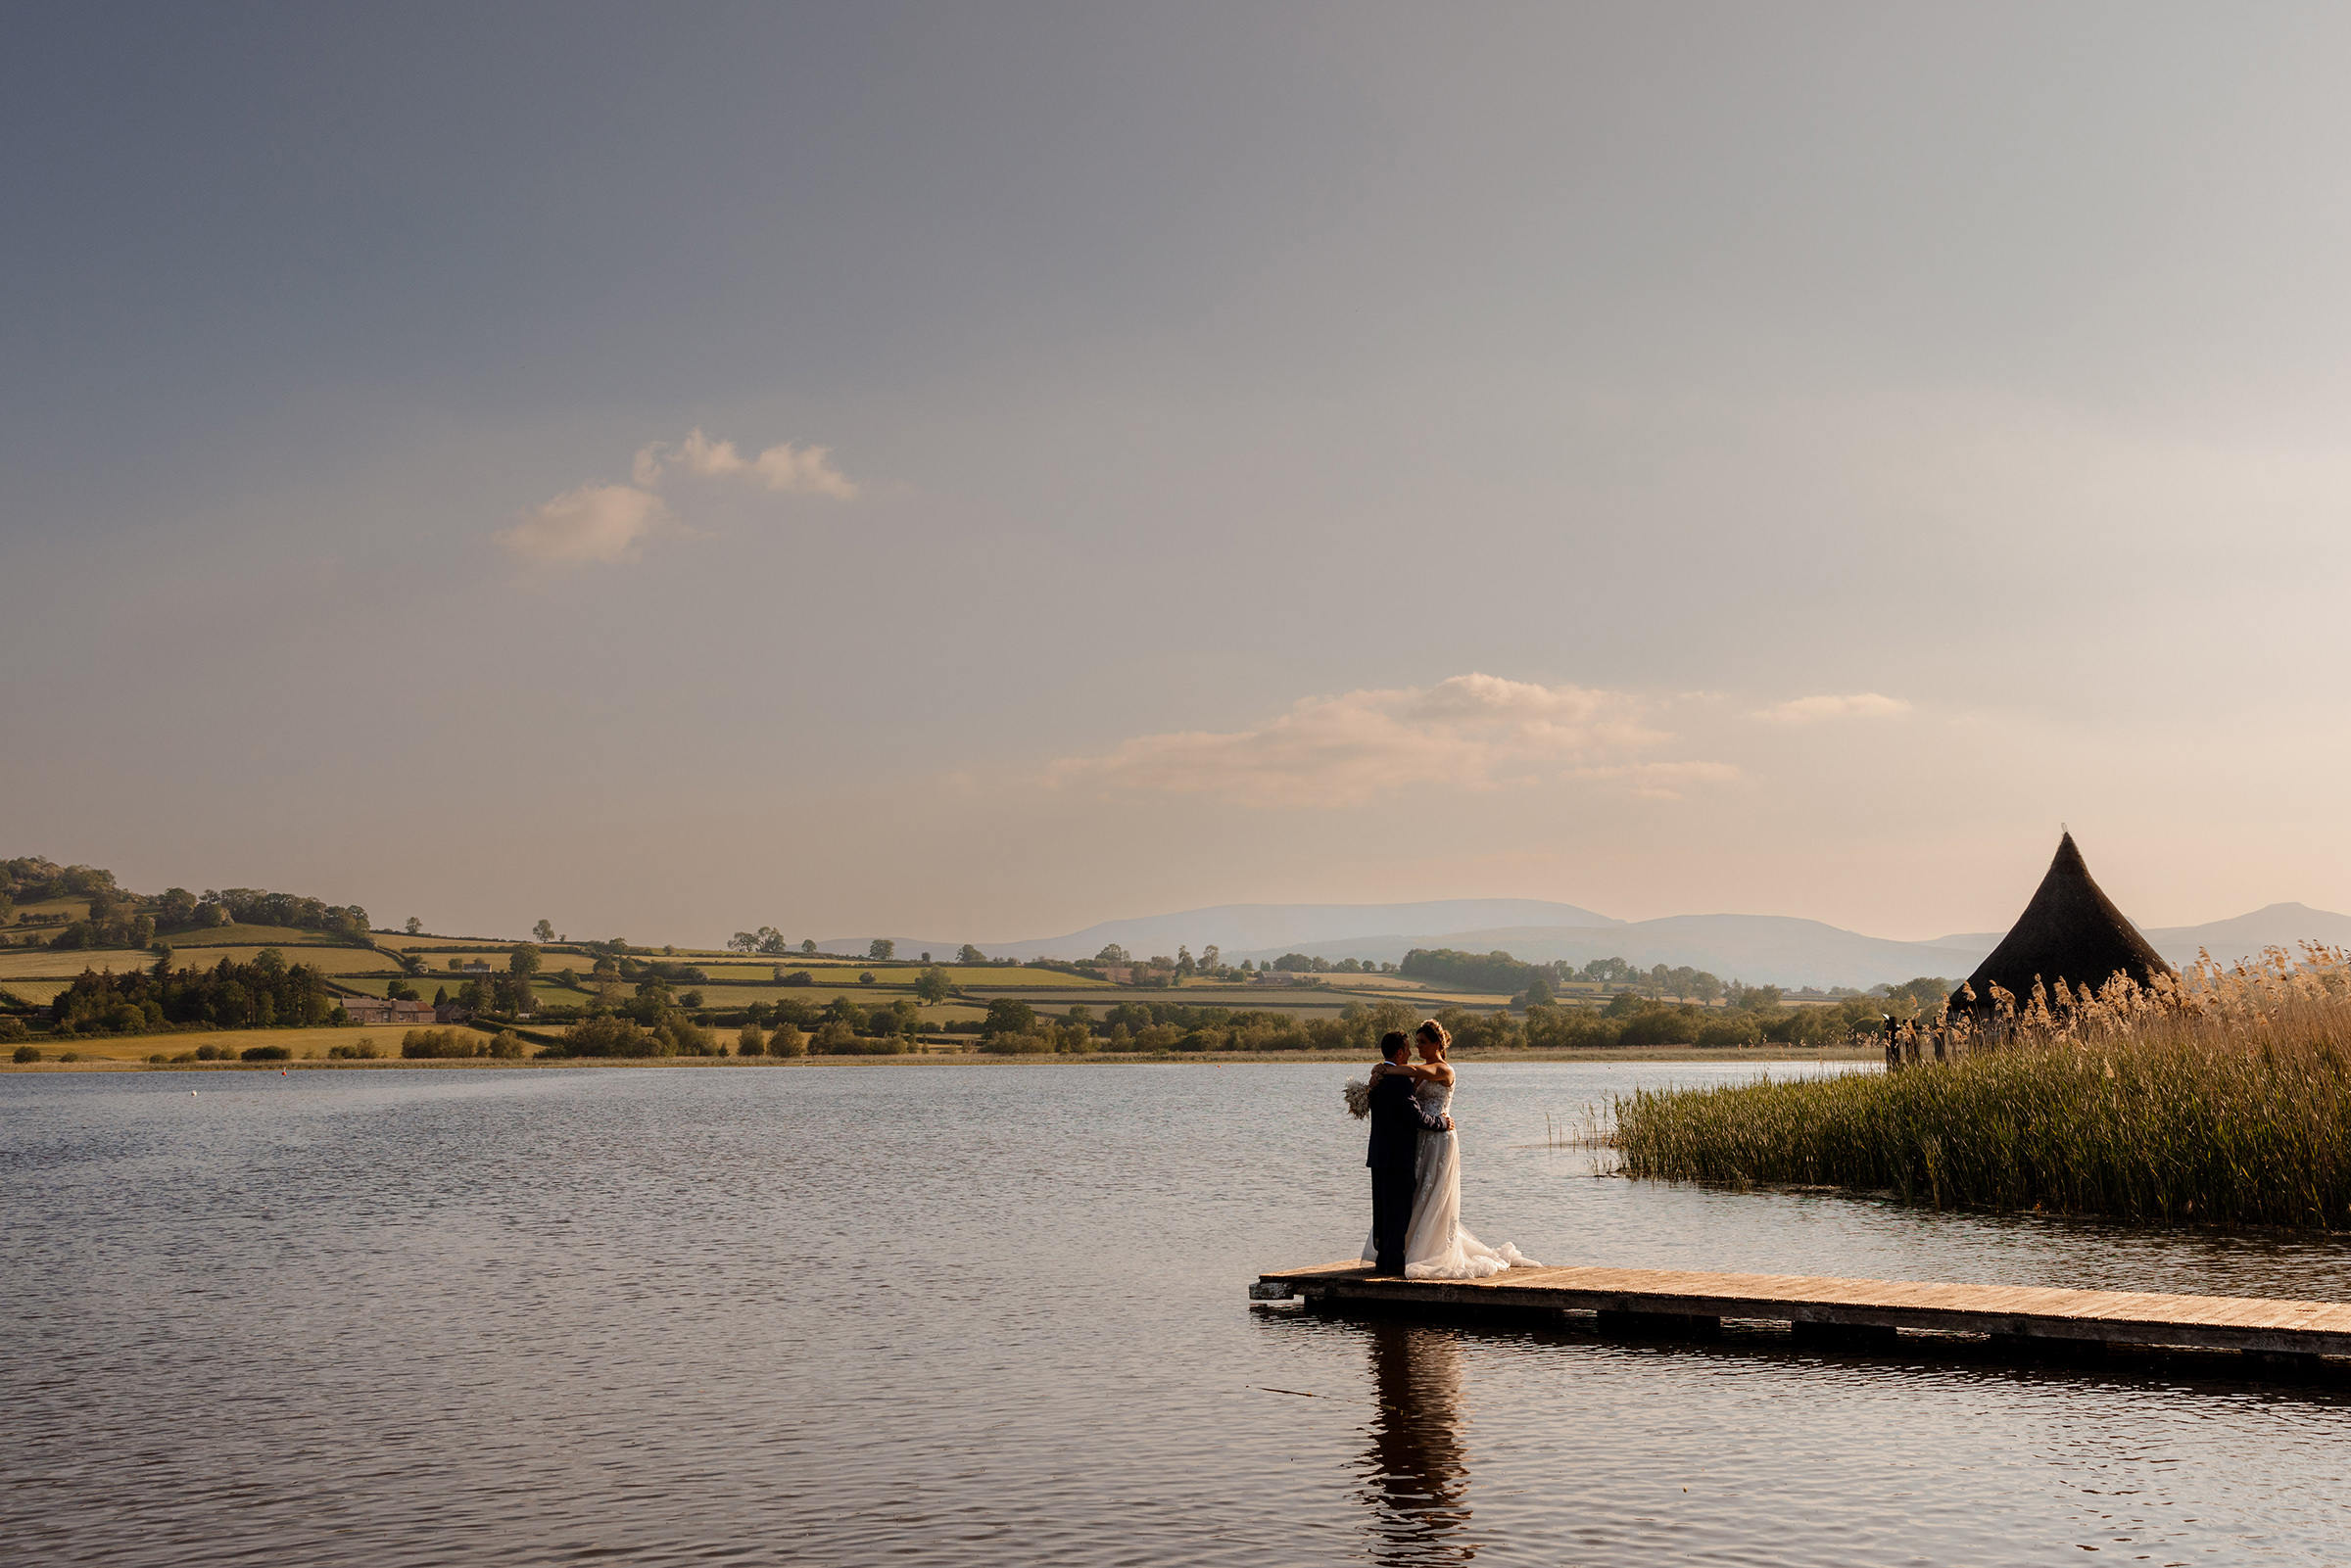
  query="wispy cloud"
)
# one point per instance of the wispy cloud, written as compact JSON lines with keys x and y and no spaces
{"x":1470,"y":733}
{"x":609,"y":524}
{"x":786,"y":469}
{"x":595,"y":524}
{"x":1816,"y":710}
{"x":1662,"y":781}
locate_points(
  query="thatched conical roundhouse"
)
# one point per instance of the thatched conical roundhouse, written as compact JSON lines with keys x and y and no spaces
{"x":2070,"y":932}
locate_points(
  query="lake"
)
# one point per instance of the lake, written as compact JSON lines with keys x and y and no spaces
{"x":996,"y":1313}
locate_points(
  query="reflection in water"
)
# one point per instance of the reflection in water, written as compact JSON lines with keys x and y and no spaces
{"x":1418,"y":1467}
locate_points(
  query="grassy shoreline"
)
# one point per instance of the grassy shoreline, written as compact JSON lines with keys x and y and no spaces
{"x":1761,"y":1055}
{"x":2227,"y":1102}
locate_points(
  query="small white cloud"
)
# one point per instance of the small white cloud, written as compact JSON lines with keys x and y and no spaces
{"x":609,"y":523}
{"x":595,"y":523}
{"x":1814,"y":710}
{"x":1470,"y":733}
{"x":786,"y":469}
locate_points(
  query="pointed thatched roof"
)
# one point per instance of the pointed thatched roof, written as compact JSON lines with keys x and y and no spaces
{"x":2070,"y":932}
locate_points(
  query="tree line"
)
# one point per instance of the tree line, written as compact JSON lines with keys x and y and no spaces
{"x":1629,"y":1020}
{"x":265,"y":993}
{"x":1498,"y":971}
{"x":846,"y":1027}
{"x":118,"y":917}
{"x":1529,"y":983}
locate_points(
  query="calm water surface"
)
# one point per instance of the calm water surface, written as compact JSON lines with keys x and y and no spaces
{"x":954,"y":1314}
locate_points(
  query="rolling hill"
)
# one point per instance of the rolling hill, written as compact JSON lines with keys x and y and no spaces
{"x":1760,"y":949}
{"x":1275,"y":928}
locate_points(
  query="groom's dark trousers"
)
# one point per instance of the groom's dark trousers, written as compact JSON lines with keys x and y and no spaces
{"x":1395,"y":1147}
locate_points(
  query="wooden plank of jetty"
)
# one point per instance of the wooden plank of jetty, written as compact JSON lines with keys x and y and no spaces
{"x":1672,"y":1300}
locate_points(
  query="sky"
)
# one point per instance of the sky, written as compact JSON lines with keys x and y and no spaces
{"x":988,"y":470}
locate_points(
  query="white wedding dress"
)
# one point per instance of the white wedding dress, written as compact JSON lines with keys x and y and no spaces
{"x":1435,"y":1244}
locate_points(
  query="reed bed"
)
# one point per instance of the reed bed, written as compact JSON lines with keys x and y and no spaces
{"x":2218,"y":1097}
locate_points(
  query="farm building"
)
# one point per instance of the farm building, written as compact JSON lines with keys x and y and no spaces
{"x":375,"y":1010}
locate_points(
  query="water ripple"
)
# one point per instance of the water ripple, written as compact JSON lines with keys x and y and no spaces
{"x":948,"y":1315}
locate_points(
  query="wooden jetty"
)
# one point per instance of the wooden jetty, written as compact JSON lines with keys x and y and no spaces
{"x":1664,"y":1302}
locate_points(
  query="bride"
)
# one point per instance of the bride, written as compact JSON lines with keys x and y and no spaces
{"x":1436,"y":1246}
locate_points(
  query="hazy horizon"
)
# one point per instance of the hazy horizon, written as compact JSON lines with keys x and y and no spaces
{"x":913,"y":468}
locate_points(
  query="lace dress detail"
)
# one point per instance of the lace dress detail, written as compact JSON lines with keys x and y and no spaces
{"x":1437,"y":1246}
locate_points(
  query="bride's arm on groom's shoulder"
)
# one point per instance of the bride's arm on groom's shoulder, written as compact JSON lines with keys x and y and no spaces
{"x":1393,"y":1070}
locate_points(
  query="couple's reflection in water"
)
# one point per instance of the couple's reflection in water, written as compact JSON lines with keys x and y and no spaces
{"x":1417,"y":1471}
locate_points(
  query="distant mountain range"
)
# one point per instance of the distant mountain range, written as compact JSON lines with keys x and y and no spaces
{"x":2271,"y":926}
{"x":1759,"y":949}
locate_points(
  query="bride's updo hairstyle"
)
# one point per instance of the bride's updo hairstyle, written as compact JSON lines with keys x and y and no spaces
{"x":1434,"y":1034}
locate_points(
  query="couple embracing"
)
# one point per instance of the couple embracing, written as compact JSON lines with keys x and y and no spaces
{"x":1416,"y":1163}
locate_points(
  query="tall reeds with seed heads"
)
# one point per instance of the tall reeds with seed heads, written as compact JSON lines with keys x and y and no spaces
{"x":2217,"y":1096}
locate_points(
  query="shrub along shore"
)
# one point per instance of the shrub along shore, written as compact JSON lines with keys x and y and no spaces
{"x":2221,"y":1098}
{"x":483,"y":1051}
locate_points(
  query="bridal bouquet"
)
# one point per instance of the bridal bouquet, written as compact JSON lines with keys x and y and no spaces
{"x":1358,"y":1099}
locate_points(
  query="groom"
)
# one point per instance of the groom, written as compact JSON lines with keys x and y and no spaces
{"x":1397,"y":1120}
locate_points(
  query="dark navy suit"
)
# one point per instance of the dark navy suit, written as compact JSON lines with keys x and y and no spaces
{"x":1397,"y":1120}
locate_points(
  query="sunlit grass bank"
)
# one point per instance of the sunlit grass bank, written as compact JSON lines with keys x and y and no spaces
{"x":2226,"y":1099}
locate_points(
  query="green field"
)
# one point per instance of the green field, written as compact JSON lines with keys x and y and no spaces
{"x":425,"y":984}
{"x":65,"y":963}
{"x":399,"y":942}
{"x":715,"y":998}
{"x":71,"y":908}
{"x":733,"y":968}
{"x":991,"y":976}
{"x":233,"y":935}
{"x":1317,"y":997}
{"x":250,"y":938}
{"x":306,"y":1044}
{"x":331,"y":960}
{"x":731,"y":998}
{"x":337,"y":961}
{"x":816,"y":995}
{"x":887,"y":976}
{"x":20,"y":961}
{"x":37,"y":974}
